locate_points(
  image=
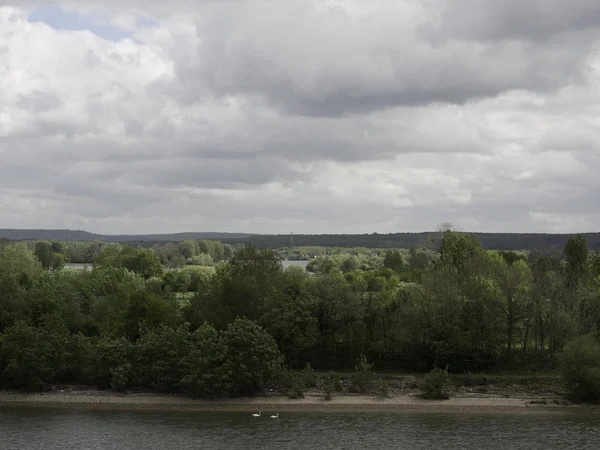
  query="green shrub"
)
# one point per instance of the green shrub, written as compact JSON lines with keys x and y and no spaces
{"x":383,"y":389}
{"x":579,"y":363}
{"x":298,"y":387}
{"x":121,"y":377}
{"x":309,"y":376}
{"x":335,"y":380}
{"x":475,"y":379}
{"x":436,"y":384}
{"x":328,"y":389}
{"x":362,"y":376}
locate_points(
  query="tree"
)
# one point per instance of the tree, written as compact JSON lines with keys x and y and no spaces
{"x":188,"y":248}
{"x":579,"y":362}
{"x":595,"y":264}
{"x":417,"y":259}
{"x":159,"y":356}
{"x":43,"y":251}
{"x":18,"y":261}
{"x":204,"y":365}
{"x":252,"y":357}
{"x":457,"y":249}
{"x":289,"y":315}
{"x":394,"y":260}
{"x":34,"y":357}
{"x":514,"y":282}
{"x":577,"y":255}
{"x":142,"y":261}
{"x":239,"y":288}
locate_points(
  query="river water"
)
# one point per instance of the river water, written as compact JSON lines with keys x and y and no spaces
{"x":37,"y":429}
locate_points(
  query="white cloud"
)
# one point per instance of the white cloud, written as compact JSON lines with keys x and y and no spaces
{"x":299,"y":116}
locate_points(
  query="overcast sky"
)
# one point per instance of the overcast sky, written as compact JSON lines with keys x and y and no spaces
{"x":305,"y":116}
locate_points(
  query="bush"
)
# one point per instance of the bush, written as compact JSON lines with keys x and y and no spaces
{"x":335,"y":380}
{"x":383,"y":389}
{"x":475,"y":379}
{"x":111,"y":360}
{"x":121,"y":377}
{"x":298,"y":386}
{"x":579,"y":364}
{"x":362,"y":376}
{"x":328,"y":389}
{"x":436,"y":384}
{"x":309,"y":376}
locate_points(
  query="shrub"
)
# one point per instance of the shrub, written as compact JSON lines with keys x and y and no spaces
{"x":475,"y":379}
{"x":121,"y":377}
{"x":309,"y":376}
{"x":383,"y":389}
{"x":579,"y":364}
{"x":362,"y":376}
{"x":298,"y":387}
{"x":436,"y":384}
{"x":328,"y":389}
{"x":335,"y":380}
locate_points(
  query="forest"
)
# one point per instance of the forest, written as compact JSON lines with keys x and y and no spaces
{"x":489,"y":241}
{"x":243,"y":323}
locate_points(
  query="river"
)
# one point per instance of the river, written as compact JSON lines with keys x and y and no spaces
{"x":37,"y":429}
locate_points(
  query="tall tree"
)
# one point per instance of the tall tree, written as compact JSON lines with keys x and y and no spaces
{"x":577,"y":255}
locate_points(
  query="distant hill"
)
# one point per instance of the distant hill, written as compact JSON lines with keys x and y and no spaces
{"x":496,"y":241}
{"x":79,"y":235}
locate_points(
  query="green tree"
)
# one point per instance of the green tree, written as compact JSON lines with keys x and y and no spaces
{"x":394,"y":260}
{"x":577,"y":255}
{"x":159,"y":357}
{"x":17,"y":261}
{"x":579,"y":362}
{"x":205,"y":373}
{"x":112,"y":363}
{"x":289,"y":315}
{"x":252,"y":357}
{"x":239,"y":287}
{"x":188,"y":248}
{"x":457,"y":248}
{"x":34,"y":357}
{"x":43,"y":251}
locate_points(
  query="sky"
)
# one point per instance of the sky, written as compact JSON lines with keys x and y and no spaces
{"x":300,"y":116}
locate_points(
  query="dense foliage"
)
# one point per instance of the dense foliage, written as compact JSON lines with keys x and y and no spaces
{"x":132,"y":323}
{"x":490,"y":241}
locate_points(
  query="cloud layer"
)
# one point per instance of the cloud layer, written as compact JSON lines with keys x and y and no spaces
{"x":303,"y":116}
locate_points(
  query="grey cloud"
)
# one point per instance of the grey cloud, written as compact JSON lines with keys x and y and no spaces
{"x":323,"y":65}
{"x":300,"y":100}
{"x":39,"y":100}
{"x":537,"y":20}
{"x":215,"y":173}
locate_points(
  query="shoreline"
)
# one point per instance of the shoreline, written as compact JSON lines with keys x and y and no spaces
{"x":109,"y":401}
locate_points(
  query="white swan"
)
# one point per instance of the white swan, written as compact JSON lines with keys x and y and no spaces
{"x":276,"y":416}
{"x":256,"y":415}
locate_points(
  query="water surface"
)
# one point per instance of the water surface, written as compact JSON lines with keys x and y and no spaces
{"x":37,"y":429}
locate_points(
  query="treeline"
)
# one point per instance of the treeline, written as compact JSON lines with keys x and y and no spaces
{"x":121,"y":325}
{"x":489,"y":241}
{"x":55,"y":254}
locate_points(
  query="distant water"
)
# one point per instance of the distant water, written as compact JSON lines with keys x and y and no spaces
{"x":34,"y":429}
{"x":285,"y":265}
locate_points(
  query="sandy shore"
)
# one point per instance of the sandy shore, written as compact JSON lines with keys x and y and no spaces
{"x":342,"y":403}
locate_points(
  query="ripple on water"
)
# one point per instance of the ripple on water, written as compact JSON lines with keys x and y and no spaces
{"x":90,"y":430}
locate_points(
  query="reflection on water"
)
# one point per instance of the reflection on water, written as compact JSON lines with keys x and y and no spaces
{"x":35,"y":429}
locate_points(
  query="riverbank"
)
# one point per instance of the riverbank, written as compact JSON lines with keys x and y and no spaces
{"x":101,"y":400}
